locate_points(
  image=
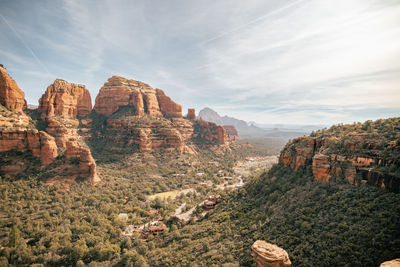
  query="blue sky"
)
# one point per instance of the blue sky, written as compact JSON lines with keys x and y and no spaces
{"x":297,"y":61}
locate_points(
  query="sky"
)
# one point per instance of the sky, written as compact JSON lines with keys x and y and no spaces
{"x":268,"y":61}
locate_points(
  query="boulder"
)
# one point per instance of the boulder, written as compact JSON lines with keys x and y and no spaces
{"x":269,"y":255}
{"x":392,"y":263}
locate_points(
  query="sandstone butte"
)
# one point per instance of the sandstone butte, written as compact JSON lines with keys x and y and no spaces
{"x":65,"y":99}
{"x":118,"y":92}
{"x":59,"y":106}
{"x":10,"y":95}
{"x":164,"y":126}
{"x":191,"y":114}
{"x":269,"y":255}
{"x":307,"y":151}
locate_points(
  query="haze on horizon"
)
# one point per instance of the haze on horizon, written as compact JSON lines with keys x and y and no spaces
{"x":297,"y":61}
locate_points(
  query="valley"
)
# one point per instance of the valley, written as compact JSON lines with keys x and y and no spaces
{"x":133,"y":182}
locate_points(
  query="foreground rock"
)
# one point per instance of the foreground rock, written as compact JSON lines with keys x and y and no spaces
{"x":269,"y":255}
{"x":10,"y":95}
{"x":368,"y":154}
{"x":393,"y":263}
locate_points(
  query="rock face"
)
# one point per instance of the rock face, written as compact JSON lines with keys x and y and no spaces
{"x":137,"y":117}
{"x":119,"y":92}
{"x":10,"y":95}
{"x":393,"y":263}
{"x":191,"y":115}
{"x":209,"y":133}
{"x":359,"y":158}
{"x":59,"y":106}
{"x":65,"y":99}
{"x":168,"y":107}
{"x":231,"y":130}
{"x":269,"y":255}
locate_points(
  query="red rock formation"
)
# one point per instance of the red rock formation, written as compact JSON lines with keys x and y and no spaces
{"x":231,"y":130}
{"x":42,"y":145}
{"x":65,"y":99}
{"x":59,"y":106}
{"x":269,"y":255}
{"x":10,"y":95}
{"x":118,"y":92}
{"x":327,"y":166}
{"x":321,"y":168}
{"x":191,"y":115}
{"x":75,"y":150}
{"x":209,"y":133}
{"x":168,"y":107}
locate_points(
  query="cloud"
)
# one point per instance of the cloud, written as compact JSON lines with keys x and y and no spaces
{"x":288,"y":61}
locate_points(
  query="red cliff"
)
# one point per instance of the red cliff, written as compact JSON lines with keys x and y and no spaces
{"x":168,"y":107}
{"x":59,"y":106}
{"x":359,"y":157}
{"x":10,"y":95}
{"x":65,"y":99}
{"x":191,"y":115}
{"x":119,"y":92}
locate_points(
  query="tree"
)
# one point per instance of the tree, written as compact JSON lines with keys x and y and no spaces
{"x":14,"y":237}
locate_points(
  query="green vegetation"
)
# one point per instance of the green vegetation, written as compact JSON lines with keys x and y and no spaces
{"x":318,"y":224}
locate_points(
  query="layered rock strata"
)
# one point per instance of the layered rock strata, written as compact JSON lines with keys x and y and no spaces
{"x":360,"y":160}
{"x":59,"y":106}
{"x":65,"y":99}
{"x":10,"y":95}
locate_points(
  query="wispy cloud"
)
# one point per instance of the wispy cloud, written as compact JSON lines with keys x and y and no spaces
{"x":306,"y":61}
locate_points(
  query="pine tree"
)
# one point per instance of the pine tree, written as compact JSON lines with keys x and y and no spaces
{"x":14,"y":238}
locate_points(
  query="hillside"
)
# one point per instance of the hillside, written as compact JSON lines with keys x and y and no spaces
{"x":357,"y":153}
{"x":318,"y":224}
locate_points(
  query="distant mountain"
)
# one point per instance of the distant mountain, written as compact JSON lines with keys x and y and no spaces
{"x":243,"y":128}
{"x":249,"y":130}
{"x":289,"y":127}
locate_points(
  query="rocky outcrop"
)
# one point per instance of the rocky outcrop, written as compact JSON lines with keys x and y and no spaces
{"x":231,"y":130}
{"x":209,"y":133}
{"x":65,"y":99}
{"x":269,"y":255}
{"x":168,"y":108}
{"x":136,"y":117}
{"x":60,"y":107}
{"x":10,"y":95}
{"x":191,"y":115}
{"x":119,"y":92}
{"x":358,"y":158}
{"x":392,"y":263}
{"x":41,"y":144}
